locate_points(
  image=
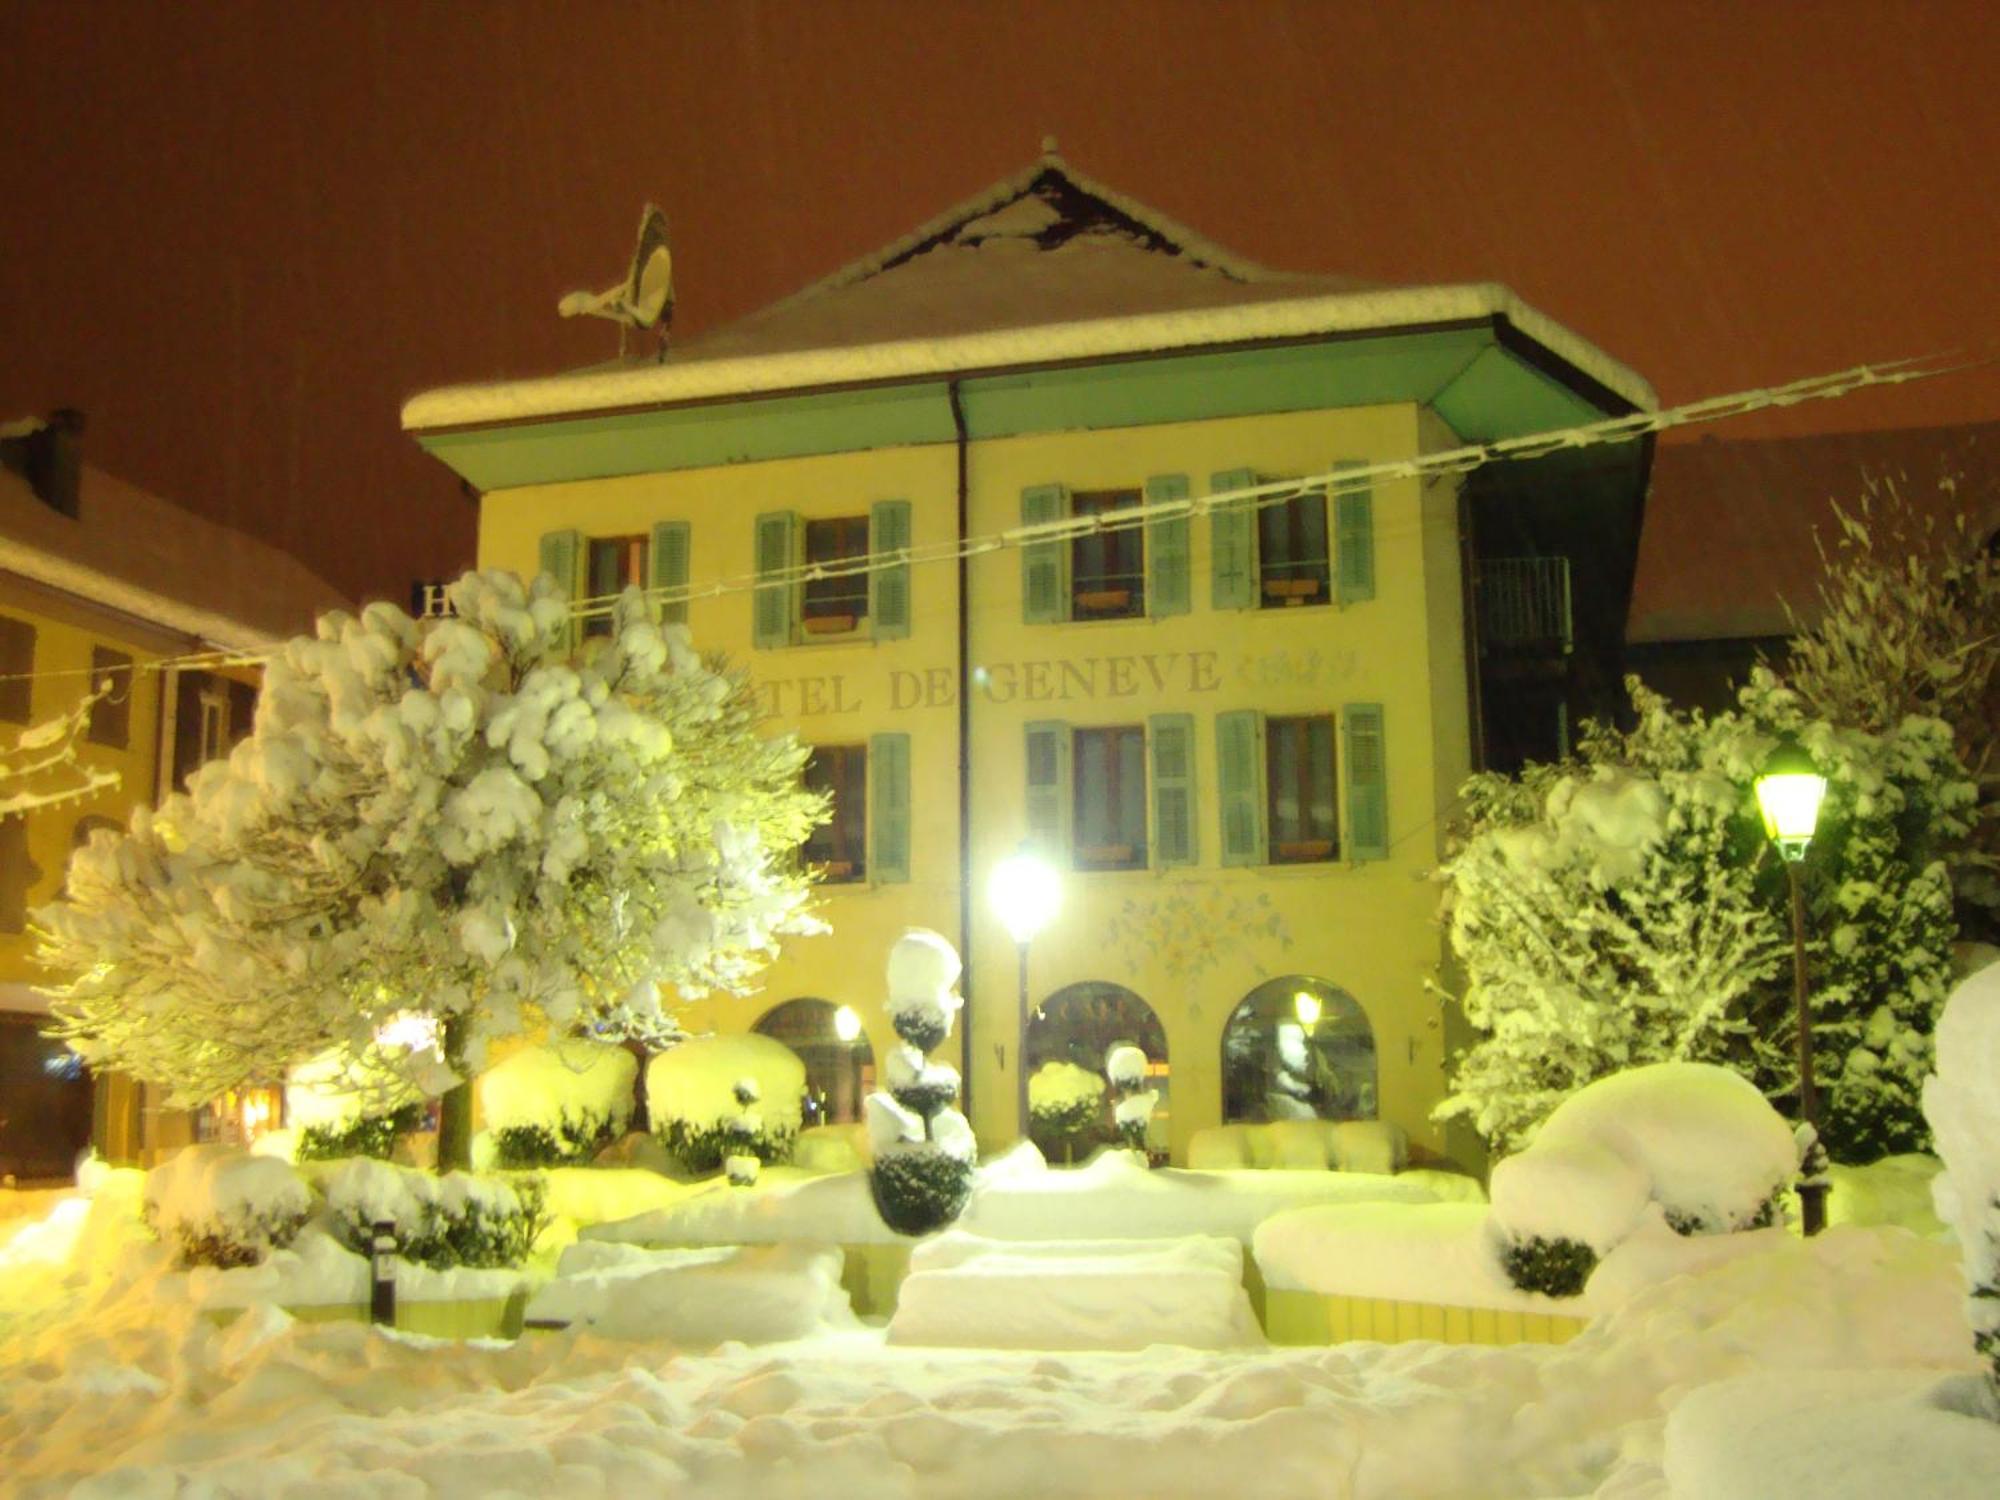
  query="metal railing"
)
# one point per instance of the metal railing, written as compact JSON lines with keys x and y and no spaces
{"x":1524,"y":603}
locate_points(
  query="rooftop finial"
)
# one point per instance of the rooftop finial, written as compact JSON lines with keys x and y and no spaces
{"x":1048,"y":145}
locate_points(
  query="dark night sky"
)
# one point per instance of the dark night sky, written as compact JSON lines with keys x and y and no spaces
{"x":239,"y":235}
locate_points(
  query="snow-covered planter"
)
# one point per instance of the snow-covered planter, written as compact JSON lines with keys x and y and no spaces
{"x":1064,"y":1101}
{"x":220,"y":1206}
{"x":454,"y":1220}
{"x":691,"y":1093}
{"x":558,"y":1104}
{"x":1558,"y":1208}
{"x":1962,"y":1103}
{"x":923,"y":1148}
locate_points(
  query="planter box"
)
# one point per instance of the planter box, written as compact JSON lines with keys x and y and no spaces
{"x":480,"y":1318}
{"x":1311,"y":1318}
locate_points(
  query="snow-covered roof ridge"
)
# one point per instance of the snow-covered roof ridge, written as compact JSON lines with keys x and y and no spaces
{"x":991,"y":199}
{"x":906,"y":359}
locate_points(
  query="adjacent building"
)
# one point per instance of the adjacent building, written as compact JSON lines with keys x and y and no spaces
{"x":99,"y":583}
{"x":1235,"y":728}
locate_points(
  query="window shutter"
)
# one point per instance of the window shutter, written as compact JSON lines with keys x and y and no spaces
{"x":1233,"y":544}
{"x":562,"y":560}
{"x":1044,"y":565}
{"x":1048,"y":788}
{"x":889,"y":587}
{"x":1354,"y":539}
{"x":1172,"y":739}
{"x":1239,"y":773}
{"x":670,"y":567}
{"x":889,"y":808}
{"x":1167,"y":549}
{"x":1367,"y":782}
{"x":776,"y":605}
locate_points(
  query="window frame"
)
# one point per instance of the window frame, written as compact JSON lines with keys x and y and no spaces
{"x":18,"y":640}
{"x":1294,"y":578}
{"x":1125,"y":743}
{"x":1095,"y":558}
{"x":110,"y":722}
{"x":844,"y":836}
{"x":1312,"y":841}
{"x":837,"y":605}
{"x":634,"y":564}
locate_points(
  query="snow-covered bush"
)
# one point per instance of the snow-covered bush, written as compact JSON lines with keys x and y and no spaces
{"x":1962,"y":1102}
{"x":924,"y":1151}
{"x":557,"y":1104}
{"x":1560,"y":1207}
{"x":457,"y":1219}
{"x":220,"y":1206}
{"x":740,"y":1159}
{"x":1626,"y":909}
{"x":442,"y":819}
{"x":1064,"y":1100}
{"x":365,"y":1135}
{"x":1132,"y":1113}
{"x":691,"y":1095}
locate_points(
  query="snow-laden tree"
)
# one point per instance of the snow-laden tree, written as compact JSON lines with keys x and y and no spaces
{"x":442,"y":820}
{"x":1908,"y":623}
{"x":1625,"y":909}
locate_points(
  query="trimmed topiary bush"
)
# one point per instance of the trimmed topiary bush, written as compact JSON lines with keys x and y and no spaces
{"x":372,"y":1136}
{"x":572,"y":1141}
{"x":1555,"y":1268}
{"x":924,"y":1149}
{"x":455,"y":1220}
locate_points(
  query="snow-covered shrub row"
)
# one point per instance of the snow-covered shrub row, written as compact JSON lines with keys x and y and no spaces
{"x":372,"y":1136}
{"x":1695,"y":1140}
{"x":924,"y":1150}
{"x":440,"y":1221}
{"x":1962,"y":1102}
{"x":220,"y":1207}
{"x":1623,"y":910}
{"x":691,"y":1095}
{"x":557,"y":1104}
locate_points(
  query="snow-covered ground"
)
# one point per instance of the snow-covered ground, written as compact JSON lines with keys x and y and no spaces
{"x":110,"y":1388}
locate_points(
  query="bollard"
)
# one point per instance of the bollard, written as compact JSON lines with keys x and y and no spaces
{"x":382,"y":1304}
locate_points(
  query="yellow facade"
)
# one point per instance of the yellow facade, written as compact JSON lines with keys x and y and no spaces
{"x":1192,"y":941}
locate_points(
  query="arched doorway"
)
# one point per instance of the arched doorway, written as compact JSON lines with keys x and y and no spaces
{"x":1298,"y":1048}
{"x":839,"y":1073}
{"x":1068,"y":1036}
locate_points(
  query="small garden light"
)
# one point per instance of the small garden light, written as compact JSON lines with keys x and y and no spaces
{"x":1789,"y":792}
{"x":1305,"y":1005}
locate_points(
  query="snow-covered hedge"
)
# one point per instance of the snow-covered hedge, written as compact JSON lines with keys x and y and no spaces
{"x":454,"y":1220}
{"x":223,"y":1207}
{"x":691,"y":1094}
{"x":559,"y":1103}
{"x":1064,"y":1099}
{"x":1962,"y":1103}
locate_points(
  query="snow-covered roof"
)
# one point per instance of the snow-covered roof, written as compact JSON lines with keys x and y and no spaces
{"x":131,"y":551}
{"x":1044,"y":267}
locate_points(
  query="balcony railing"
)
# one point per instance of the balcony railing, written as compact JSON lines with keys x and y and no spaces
{"x":1524,"y":604}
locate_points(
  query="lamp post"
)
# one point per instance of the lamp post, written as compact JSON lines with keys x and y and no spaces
{"x":1025,"y":894}
{"x":1789,"y":791}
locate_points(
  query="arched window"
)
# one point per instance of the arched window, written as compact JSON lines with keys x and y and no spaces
{"x":1298,"y":1048}
{"x":1068,"y":1036}
{"x":839,"y":1074}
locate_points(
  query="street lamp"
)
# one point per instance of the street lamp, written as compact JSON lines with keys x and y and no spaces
{"x":1025,"y":894}
{"x":1789,"y":791}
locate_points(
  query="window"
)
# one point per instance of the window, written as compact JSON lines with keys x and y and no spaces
{"x":1110,"y":791}
{"x":1299,"y":790}
{"x":788,"y":607}
{"x":1073,"y":1031}
{"x":840,"y":845}
{"x":614,"y":564}
{"x":836,"y":604}
{"x":1279,"y":787}
{"x":1276,"y":554}
{"x":1298,"y":1048}
{"x":18,"y":874}
{"x":45,"y":1102}
{"x":839,"y":1074}
{"x":111,"y":715}
{"x":1138,"y":570}
{"x":17,"y":660}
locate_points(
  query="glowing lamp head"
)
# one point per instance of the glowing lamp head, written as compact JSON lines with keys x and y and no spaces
{"x":1305,"y":1005}
{"x":1789,"y":792}
{"x":1025,"y":894}
{"x":846,"y":1024}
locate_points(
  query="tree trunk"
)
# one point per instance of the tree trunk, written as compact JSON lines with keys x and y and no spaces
{"x":455,"y":1108}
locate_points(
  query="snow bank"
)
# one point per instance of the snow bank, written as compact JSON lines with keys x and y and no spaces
{"x":1962,"y":1104}
{"x":697,"y":1298}
{"x":1338,"y":1145}
{"x":221,"y":1205}
{"x":696,"y":1081}
{"x":965,"y":1291}
{"x":1818,"y":1435}
{"x":573,"y":1079}
{"x":1893,"y":1191}
{"x":1576,"y":1191}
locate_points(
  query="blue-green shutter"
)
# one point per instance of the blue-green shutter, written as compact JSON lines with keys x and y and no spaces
{"x":1354,"y":538}
{"x":889,"y":587}
{"x":1044,"y":565}
{"x":1048,"y":788}
{"x":1239,"y":777}
{"x":889,"y":808}
{"x":1167,"y":549}
{"x":562,"y":559}
{"x":670,"y":567}
{"x":1233,"y":543}
{"x":1367,"y":782}
{"x":775,"y":605}
{"x":1171,"y":739}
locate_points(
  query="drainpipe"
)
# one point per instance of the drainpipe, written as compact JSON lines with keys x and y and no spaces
{"x":964,"y":756}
